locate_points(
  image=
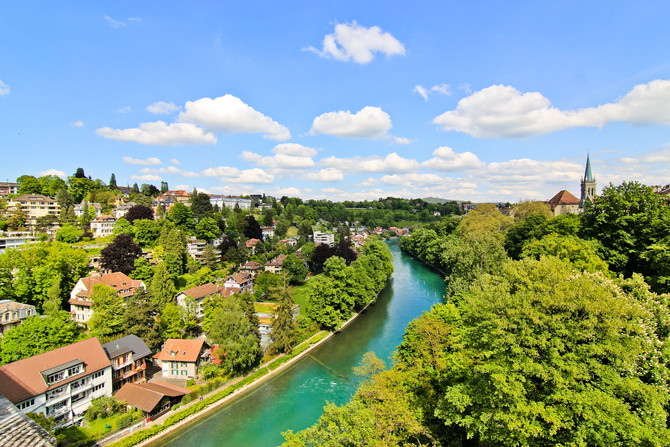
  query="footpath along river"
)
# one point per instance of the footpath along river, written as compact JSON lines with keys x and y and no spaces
{"x":294,"y":399}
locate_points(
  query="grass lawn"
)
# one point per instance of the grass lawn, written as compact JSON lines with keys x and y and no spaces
{"x":292,"y":231}
{"x":300,"y":297}
{"x":267,"y":308}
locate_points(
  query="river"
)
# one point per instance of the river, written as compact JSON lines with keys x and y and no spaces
{"x":294,"y":398}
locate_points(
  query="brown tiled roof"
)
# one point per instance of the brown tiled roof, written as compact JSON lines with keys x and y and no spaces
{"x":227,"y":291}
{"x":240,"y":277}
{"x":279,"y":260}
{"x":146,"y":396}
{"x":202,"y":291}
{"x":22,"y":379}
{"x":563,"y":198}
{"x":251,"y":265}
{"x":18,"y":430}
{"x":117,"y":280}
{"x":13,"y":305}
{"x":184,"y":350}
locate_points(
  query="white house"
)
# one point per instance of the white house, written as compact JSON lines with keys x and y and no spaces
{"x":103,"y":225}
{"x":80,"y":301}
{"x":59,"y":383}
{"x":324,"y":238}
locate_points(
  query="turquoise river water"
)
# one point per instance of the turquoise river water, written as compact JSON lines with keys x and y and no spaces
{"x":294,"y":398}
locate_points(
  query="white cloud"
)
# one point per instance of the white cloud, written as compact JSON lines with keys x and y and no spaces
{"x":325,"y":175}
{"x":370,"y":122}
{"x":174,"y":161}
{"x":524,"y":170}
{"x":447,"y":160}
{"x":414,"y":179}
{"x":443,"y":89}
{"x":147,"y":178}
{"x":151,"y":161}
{"x":55,"y":172}
{"x":161,"y":134}
{"x":503,"y":112}
{"x":287,"y":156}
{"x":234,"y":175}
{"x":125,"y":109}
{"x":162,"y":107}
{"x":77,"y":124}
{"x":182,"y":188}
{"x":289,"y":192}
{"x":294,"y":149}
{"x":391,"y":163}
{"x":358,"y":43}
{"x":4,"y":89}
{"x":230,"y":114}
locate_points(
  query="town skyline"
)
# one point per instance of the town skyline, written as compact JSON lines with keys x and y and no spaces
{"x":481,"y":101}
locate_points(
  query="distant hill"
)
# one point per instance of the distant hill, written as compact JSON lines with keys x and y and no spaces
{"x":438,"y":200}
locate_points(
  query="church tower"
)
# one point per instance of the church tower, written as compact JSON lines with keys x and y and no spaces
{"x":588,"y":184}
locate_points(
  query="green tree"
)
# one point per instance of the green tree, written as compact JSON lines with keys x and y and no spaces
{"x":143,"y":270}
{"x":295,"y":269}
{"x":207,"y":229}
{"x":112,"y":182}
{"x":182,"y":216}
{"x":146,"y":232}
{"x":210,"y":258}
{"x":107,"y":320}
{"x":170,"y":322}
{"x":29,"y":185}
{"x":236,"y":337}
{"x":162,"y":286}
{"x":122,"y":226}
{"x":140,"y":318}
{"x":283,"y":327}
{"x":582,"y":254}
{"x":201,"y":205}
{"x":626,"y":219}
{"x":37,"y":335}
{"x":69,"y":234}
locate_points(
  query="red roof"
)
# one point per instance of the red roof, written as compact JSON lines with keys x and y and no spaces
{"x":119,"y":281}
{"x":563,"y":198}
{"x":181,"y":350}
{"x":202,"y":291}
{"x":146,"y":396}
{"x":23,"y":379}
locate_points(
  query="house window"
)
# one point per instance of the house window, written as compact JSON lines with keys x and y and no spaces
{"x":26,"y":404}
{"x":53,"y":378}
{"x":183,"y":372}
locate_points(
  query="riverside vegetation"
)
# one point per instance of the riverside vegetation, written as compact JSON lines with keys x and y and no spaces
{"x":554,"y":331}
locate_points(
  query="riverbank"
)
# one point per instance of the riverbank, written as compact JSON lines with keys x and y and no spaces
{"x":269,"y":372}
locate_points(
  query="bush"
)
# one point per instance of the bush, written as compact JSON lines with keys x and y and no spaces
{"x":125,"y":420}
{"x":190,"y":382}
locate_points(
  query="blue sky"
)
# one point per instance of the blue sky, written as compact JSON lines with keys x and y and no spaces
{"x":482,"y":101}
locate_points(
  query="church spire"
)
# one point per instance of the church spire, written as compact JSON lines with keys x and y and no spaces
{"x":588,"y":185}
{"x":588,"y":177}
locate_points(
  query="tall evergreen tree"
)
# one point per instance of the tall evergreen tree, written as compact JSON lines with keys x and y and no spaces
{"x":283,"y":328}
{"x":162,"y":286}
{"x":112,"y":182}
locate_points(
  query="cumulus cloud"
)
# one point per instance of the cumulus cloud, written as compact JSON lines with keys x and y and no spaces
{"x":151,"y":161}
{"x":161,"y":134}
{"x":55,"y":172}
{"x":504,"y":112}
{"x":357,"y":43}
{"x":445,"y":159}
{"x":294,"y":149}
{"x":174,"y":161}
{"x":4,"y":89}
{"x":287,"y":156}
{"x":289,"y":192}
{"x":369,"y":122}
{"x":77,"y":124}
{"x":147,"y":178}
{"x":229,"y":115}
{"x":391,"y":163}
{"x":125,"y":109}
{"x":325,"y":175}
{"x":414,"y":179}
{"x":525,"y":170}
{"x":443,"y":89}
{"x":234,"y":175}
{"x":162,"y":108}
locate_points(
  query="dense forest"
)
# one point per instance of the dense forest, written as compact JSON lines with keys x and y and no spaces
{"x":553,"y":331}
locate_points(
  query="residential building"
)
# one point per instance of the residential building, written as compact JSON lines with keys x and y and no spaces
{"x":80,"y":301}
{"x":60,"y":383}
{"x":196,"y":249}
{"x":122,"y":208}
{"x":79,"y":209}
{"x":18,"y":430}
{"x":230,"y":202}
{"x":35,"y":206}
{"x":251,"y":245}
{"x":289,"y":242}
{"x":13,"y":313}
{"x":323,"y":238}
{"x":170,"y":198}
{"x":15,"y":239}
{"x":251,"y":267}
{"x":153,"y":399}
{"x":267,"y":232}
{"x":564,"y":203}
{"x":239,"y":280}
{"x":103,"y":225}
{"x":128,"y":356}
{"x":7,"y":188}
{"x":180,"y":359}
{"x":198,"y":294}
{"x":275,"y":265}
